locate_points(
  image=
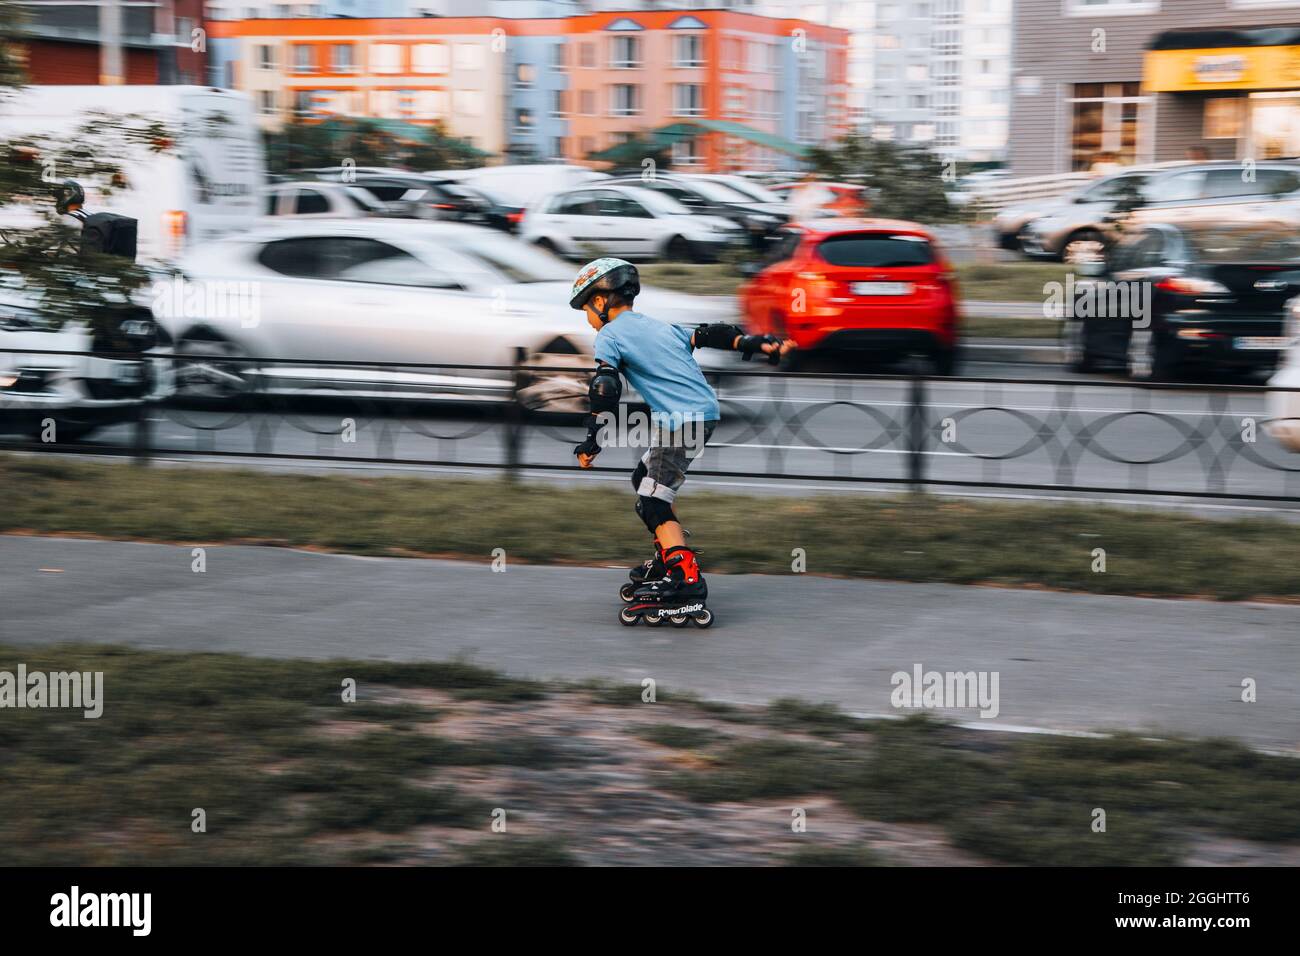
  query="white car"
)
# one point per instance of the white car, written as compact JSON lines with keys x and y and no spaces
{"x":626,"y":221}
{"x":319,"y":200}
{"x":522,"y":185}
{"x":428,"y":310}
{"x":61,"y":397}
{"x":1284,"y":407}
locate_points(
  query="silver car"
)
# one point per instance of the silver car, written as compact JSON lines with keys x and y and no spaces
{"x":1185,"y":195}
{"x":383,"y":309}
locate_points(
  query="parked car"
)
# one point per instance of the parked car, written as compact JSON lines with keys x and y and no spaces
{"x":406,"y":195}
{"x":865,"y":285}
{"x":1188,"y":194}
{"x":627,"y":221}
{"x":832,"y":199}
{"x":523,"y":184}
{"x":709,"y":196}
{"x":319,"y":200}
{"x":497,"y":212}
{"x":752,"y":189}
{"x":401,"y":295}
{"x":1284,"y":406}
{"x":1173,"y":298}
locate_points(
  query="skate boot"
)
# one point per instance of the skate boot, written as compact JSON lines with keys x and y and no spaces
{"x":651,"y":570}
{"x":679,"y":596}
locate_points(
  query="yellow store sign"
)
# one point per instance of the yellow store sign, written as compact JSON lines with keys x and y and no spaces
{"x":1226,"y":68}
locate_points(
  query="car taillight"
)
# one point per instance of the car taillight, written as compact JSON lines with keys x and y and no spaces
{"x":515,"y":217}
{"x":174,"y":226}
{"x":441,"y":205}
{"x":1188,"y":285}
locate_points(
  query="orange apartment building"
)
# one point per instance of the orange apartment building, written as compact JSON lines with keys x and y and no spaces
{"x":757,"y":88}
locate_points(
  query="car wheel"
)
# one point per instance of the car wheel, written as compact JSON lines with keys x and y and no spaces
{"x":1086,"y":245}
{"x":1074,"y":345}
{"x":678,"y":250}
{"x":945,"y":362}
{"x":214,"y":369}
{"x":547,"y":246}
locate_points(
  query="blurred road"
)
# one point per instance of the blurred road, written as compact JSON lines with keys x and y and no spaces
{"x":1065,"y":661}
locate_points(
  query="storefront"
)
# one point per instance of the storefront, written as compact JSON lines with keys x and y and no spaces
{"x":1242,"y":86}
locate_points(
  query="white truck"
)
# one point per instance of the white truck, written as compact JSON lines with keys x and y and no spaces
{"x":207,"y":184}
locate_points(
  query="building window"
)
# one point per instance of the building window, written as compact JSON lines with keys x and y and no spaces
{"x":468,"y":102}
{"x":625,"y":99}
{"x":304,"y":101}
{"x":558,"y":105}
{"x":385,"y":58}
{"x":341,"y":58}
{"x":688,"y":99}
{"x":1108,"y":123}
{"x":1110,"y":8}
{"x":266,"y":102}
{"x":624,"y":53}
{"x":587,"y":102}
{"x":524,"y":76}
{"x":302,"y":61}
{"x":266,"y":57}
{"x":429,"y":104}
{"x":732,"y":52}
{"x":469,"y":56}
{"x":736,"y":101}
{"x":686,"y":152}
{"x":523,"y":120}
{"x":1223,"y":116}
{"x":557,"y":147}
{"x":587,"y":56}
{"x":688,"y":51}
{"x":183,"y":27}
{"x":558,"y":58}
{"x":429,"y":58}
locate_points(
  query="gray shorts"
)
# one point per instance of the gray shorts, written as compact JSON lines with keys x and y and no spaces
{"x":668,"y":457}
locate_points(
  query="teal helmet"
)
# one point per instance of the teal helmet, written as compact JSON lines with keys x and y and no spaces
{"x":605,"y":275}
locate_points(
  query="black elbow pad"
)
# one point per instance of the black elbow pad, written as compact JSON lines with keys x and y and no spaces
{"x":606,"y":387}
{"x":718,"y":335}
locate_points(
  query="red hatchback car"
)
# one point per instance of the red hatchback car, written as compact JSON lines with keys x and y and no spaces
{"x":869,"y":285}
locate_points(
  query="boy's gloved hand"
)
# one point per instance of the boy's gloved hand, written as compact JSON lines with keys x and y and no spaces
{"x":587,"y":449}
{"x":751,"y":345}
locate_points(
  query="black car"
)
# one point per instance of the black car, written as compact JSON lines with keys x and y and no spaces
{"x":412,"y":195}
{"x":1169,"y":299}
{"x":711,"y":199}
{"x":497,"y":213}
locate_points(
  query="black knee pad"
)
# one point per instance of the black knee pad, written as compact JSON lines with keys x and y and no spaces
{"x":638,"y":473}
{"x":654,"y":511}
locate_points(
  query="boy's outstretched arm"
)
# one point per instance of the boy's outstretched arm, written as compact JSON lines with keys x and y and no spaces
{"x":723,"y":335}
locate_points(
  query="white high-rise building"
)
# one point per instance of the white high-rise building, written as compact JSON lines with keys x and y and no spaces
{"x":935,"y":73}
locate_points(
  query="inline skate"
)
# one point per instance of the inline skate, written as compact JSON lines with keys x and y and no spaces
{"x":678,"y":597}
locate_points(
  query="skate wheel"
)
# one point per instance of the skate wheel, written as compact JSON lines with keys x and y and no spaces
{"x":628,"y":591}
{"x":679,"y":620}
{"x":704,"y":618}
{"x":626,"y":617}
{"x":654,"y":618}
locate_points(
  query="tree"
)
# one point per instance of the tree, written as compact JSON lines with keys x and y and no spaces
{"x":904,"y":182}
{"x":42,"y":250}
{"x":306,"y":144}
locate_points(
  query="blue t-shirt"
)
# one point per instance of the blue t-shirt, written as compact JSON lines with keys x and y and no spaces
{"x":656,"y":358}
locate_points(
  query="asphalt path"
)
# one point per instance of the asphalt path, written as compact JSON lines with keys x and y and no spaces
{"x":1064,"y":662}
